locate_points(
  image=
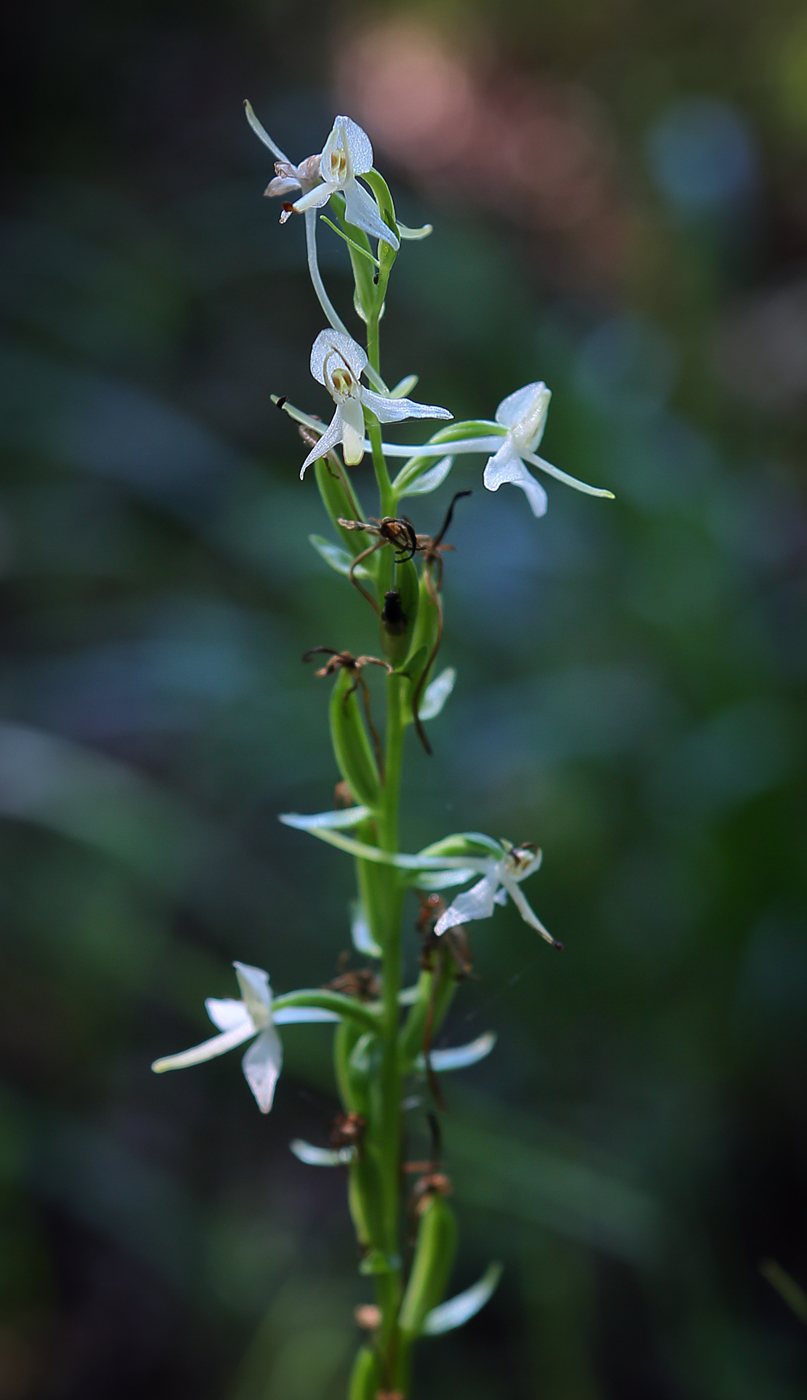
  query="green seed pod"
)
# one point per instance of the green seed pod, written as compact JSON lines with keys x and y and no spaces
{"x":365,"y":1381}
{"x":399,"y":613}
{"x":339,"y":499}
{"x":351,"y":744}
{"x":425,"y":635}
{"x":434,"y":1255}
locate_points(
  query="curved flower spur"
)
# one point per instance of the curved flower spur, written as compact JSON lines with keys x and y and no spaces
{"x":386,"y":1035}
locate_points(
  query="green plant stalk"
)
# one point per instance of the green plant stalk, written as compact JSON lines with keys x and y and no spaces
{"x":375,"y":1189}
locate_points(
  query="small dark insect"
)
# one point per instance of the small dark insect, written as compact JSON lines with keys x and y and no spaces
{"x":281,"y":402}
{"x":393,"y":616}
{"x":375,"y":278}
{"x":348,"y":1130}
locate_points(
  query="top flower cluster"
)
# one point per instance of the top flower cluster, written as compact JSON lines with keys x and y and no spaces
{"x":338,"y":362}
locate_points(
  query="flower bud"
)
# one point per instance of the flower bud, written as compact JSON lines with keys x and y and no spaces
{"x":364,"y":1378}
{"x":351,"y":744}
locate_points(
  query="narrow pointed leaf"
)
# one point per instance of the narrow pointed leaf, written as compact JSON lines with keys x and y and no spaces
{"x":322,"y":1156}
{"x":437,"y":692}
{"x":459,"y":1310}
{"x":460,"y":1056}
{"x":428,"y":480}
{"x":338,"y":558}
{"x":360,"y":932}
{"x":332,"y":821}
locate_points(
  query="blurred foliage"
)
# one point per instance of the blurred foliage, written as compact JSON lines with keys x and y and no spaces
{"x":630,"y":694}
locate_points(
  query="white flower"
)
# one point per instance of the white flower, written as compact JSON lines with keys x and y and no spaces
{"x":502,"y":878}
{"x":289,"y":178}
{"x":519,"y":427}
{"x":348,"y":153}
{"x":338,"y":363}
{"x":239,"y":1021}
{"x":523,"y":414}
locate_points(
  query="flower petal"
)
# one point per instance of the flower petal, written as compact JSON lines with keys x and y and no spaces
{"x":322,"y":1156}
{"x":429,"y":481}
{"x":346,"y":350}
{"x":261,"y":1065}
{"x":263,"y":135}
{"x":226,"y":1013}
{"x":333,"y":821}
{"x":527,"y":913}
{"x":362,"y":211}
{"x":352,"y":431}
{"x":460,"y":1056}
{"x":361,"y":933}
{"x":357,"y":143}
{"x":314,"y":199}
{"x":255,"y":990}
{"x":208,"y":1050}
{"x":457,"y":1311}
{"x":281,"y":186}
{"x":329,"y":439}
{"x":525,"y":413}
{"x":389,"y":410}
{"x":437,"y":692}
{"x":507,"y":466}
{"x":476,"y":903}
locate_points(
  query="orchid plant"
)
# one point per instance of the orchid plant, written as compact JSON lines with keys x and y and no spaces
{"x":384,"y":1032}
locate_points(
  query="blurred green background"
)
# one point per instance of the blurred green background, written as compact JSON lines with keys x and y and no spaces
{"x":619,"y":194}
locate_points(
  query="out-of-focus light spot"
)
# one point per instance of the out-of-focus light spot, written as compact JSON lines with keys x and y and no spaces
{"x":761,"y":350}
{"x":702,"y":156}
{"x":790,"y":75}
{"x":535,"y":153}
{"x":626,"y":368}
{"x":414,"y":96}
{"x":742,"y":752}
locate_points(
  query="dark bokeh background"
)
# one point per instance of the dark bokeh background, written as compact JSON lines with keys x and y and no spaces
{"x":619,"y":193}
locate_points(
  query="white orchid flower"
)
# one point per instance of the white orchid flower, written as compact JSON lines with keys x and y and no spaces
{"x":523,"y":414}
{"x":240,"y":1021}
{"x":346,"y":154}
{"x":502,"y":878}
{"x":502,"y":866}
{"x":338,"y":362}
